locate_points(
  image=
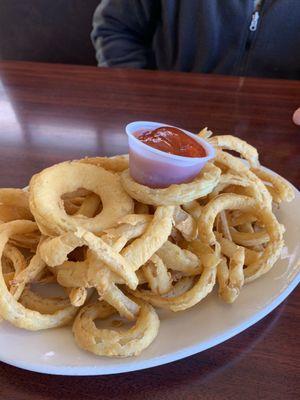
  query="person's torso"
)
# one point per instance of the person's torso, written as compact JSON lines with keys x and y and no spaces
{"x":225,"y":36}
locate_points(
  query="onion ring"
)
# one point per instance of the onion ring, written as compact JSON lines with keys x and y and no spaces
{"x":26,"y":275}
{"x":78,"y":296}
{"x":13,"y":311}
{"x":282,"y":188}
{"x":97,"y":231}
{"x":137,"y":254}
{"x":109,"y":342}
{"x":178,"y":259}
{"x":228,"y":248}
{"x":114,"y":296}
{"x":204,"y":133}
{"x":89,"y":206}
{"x":81,"y":273}
{"x":19,"y":264}
{"x":236,"y":220}
{"x":54,"y":251}
{"x":249,"y":239}
{"x":141,"y":249}
{"x":231,"y":279}
{"x":43,"y":305}
{"x":228,"y":179}
{"x":193,"y":208}
{"x":11,"y":213}
{"x":157,"y":275}
{"x":203,"y":184}
{"x":47,"y":187}
{"x":260,"y":192}
{"x":230,"y":142}
{"x":14,"y":197}
{"x":115,"y":164}
{"x":185,"y":224}
{"x":192,"y":295}
{"x":233,"y":201}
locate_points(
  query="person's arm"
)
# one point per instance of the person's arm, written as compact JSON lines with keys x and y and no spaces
{"x":123,"y":31}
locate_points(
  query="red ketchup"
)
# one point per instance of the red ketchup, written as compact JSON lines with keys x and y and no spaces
{"x":171,"y":140}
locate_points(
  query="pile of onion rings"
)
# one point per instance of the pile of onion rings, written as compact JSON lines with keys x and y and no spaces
{"x":117,"y":250}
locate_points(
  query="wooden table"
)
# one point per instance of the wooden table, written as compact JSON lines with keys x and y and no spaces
{"x":50,"y":113}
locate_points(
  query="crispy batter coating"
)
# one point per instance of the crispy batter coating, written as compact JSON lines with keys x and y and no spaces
{"x":47,"y":206}
{"x":112,"y":342}
{"x":202,"y":185}
{"x":89,"y":228}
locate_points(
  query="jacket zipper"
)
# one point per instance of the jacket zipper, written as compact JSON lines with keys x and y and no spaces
{"x":254,"y":21}
{"x":251,"y":35}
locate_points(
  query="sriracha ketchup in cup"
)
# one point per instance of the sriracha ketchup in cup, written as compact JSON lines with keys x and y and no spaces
{"x":161,"y":155}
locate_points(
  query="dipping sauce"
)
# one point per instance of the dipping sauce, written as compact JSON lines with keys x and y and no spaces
{"x":171,"y":140}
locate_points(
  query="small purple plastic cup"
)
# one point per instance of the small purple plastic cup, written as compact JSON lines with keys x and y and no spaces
{"x":157,"y":169}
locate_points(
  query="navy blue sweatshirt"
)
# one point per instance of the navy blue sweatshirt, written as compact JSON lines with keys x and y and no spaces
{"x":212,"y":36}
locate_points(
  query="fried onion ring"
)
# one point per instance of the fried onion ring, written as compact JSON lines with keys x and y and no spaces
{"x":110,"y":342}
{"x":115,"y":164}
{"x":228,"y":248}
{"x":137,"y":254}
{"x":54,"y":251}
{"x":178,"y":259}
{"x":157,"y":275}
{"x":185,"y":224}
{"x":19,"y":264}
{"x":243,"y":203}
{"x":204,"y":133}
{"x":47,"y":187}
{"x":14,"y":197}
{"x":260,"y":192}
{"x":230,"y":142}
{"x":141,"y":249}
{"x":87,"y":228}
{"x":11,"y":213}
{"x":249,"y":239}
{"x":89,"y":206}
{"x":13,"y":311}
{"x":192,"y":294}
{"x":114,"y":296}
{"x":203,"y":184}
{"x":14,"y":205}
{"x":44,"y":305}
{"x":282,"y":188}
{"x":231,"y":279}
{"x":193,"y":208}
{"x":78,"y":296}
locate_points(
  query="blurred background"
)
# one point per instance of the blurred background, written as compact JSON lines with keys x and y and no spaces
{"x":48,"y":31}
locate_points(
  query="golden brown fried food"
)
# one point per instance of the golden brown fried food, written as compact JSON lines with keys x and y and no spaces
{"x":174,"y":194}
{"x":12,"y":310}
{"x":47,"y":207}
{"x":111,"y":342}
{"x":89,"y":228}
{"x":230,"y":142}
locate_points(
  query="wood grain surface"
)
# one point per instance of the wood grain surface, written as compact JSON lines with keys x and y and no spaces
{"x":49,"y":113}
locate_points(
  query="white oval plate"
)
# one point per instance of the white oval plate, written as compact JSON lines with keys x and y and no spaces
{"x":181,"y":334}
